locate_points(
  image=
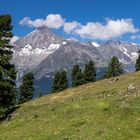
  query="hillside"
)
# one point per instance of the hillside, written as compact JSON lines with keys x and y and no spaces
{"x":104,"y":110}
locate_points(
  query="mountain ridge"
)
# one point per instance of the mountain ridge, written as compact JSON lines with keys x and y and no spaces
{"x":43,"y":53}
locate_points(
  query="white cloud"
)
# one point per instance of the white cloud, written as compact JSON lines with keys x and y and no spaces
{"x":69,"y":27}
{"x":111,"y":29}
{"x":135,"y":37}
{"x":14,"y":39}
{"x":92,"y":30}
{"x":52,"y":21}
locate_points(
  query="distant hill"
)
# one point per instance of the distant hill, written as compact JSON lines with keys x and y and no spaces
{"x":105,"y":110}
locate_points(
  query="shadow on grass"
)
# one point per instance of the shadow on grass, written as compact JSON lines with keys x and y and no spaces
{"x":8,"y":114}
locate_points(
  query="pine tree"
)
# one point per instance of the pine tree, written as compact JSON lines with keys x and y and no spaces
{"x":7,"y":70}
{"x":137,"y":65}
{"x":114,"y":69}
{"x":27,"y":88}
{"x":60,"y":82}
{"x":56,"y":82}
{"x":64,"y":81}
{"x":75,"y":70}
{"x":77,"y":76}
{"x":89,"y":72}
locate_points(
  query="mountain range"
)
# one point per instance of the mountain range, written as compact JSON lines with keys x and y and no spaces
{"x":43,"y":52}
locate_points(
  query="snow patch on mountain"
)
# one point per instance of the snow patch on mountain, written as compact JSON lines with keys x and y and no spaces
{"x":134,"y":56}
{"x":53,"y":47}
{"x":37,"y":51}
{"x":123,"y":61}
{"x":125,"y":52}
{"x":28,"y":50}
{"x":64,"y":42}
{"x":134,"y":44}
{"x":95,"y":44}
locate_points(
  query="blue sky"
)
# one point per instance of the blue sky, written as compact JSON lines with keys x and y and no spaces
{"x":86,"y":15}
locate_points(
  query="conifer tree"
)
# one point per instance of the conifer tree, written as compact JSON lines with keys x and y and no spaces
{"x":7,"y":69}
{"x":77,"y":76}
{"x":137,"y":65}
{"x":27,"y":88}
{"x":114,"y":69}
{"x":64,"y":81}
{"x":89,"y":72}
{"x":75,"y":70}
{"x":56,"y":82}
{"x":60,"y":82}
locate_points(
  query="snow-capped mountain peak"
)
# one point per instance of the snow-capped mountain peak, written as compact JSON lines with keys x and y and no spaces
{"x":43,"y":52}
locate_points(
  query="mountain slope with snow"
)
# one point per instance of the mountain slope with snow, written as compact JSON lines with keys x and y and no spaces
{"x":43,"y":53}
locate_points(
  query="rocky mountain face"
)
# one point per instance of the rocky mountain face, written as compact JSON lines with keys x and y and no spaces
{"x":34,"y":48}
{"x":43,"y":53}
{"x":125,"y":51}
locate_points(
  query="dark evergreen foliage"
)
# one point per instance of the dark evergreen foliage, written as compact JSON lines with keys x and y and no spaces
{"x":114,"y":69}
{"x":74,"y":72}
{"x":7,"y":70}
{"x":60,"y":82}
{"x":27,"y":88}
{"x":64,"y":81}
{"x":137,"y":65}
{"x":89,"y":72}
{"x":77,"y":76}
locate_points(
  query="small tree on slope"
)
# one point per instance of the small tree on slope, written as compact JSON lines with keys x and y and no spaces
{"x":89,"y":72}
{"x":114,"y":69}
{"x":77,"y":76}
{"x":137,"y":65}
{"x":27,"y":88}
{"x":60,"y":82}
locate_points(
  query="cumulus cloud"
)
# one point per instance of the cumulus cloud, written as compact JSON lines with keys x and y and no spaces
{"x":54,"y":21}
{"x":135,"y":37}
{"x":91,"y":30}
{"x":111,"y":29}
{"x":14,"y":39}
{"x":69,"y":27}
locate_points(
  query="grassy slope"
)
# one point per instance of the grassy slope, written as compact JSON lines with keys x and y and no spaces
{"x":81,"y":113}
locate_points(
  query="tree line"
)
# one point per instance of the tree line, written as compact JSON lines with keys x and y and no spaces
{"x":9,"y":96}
{"x":78,"y":77}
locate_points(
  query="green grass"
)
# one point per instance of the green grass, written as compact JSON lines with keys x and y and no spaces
{"x":96,"y":111}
